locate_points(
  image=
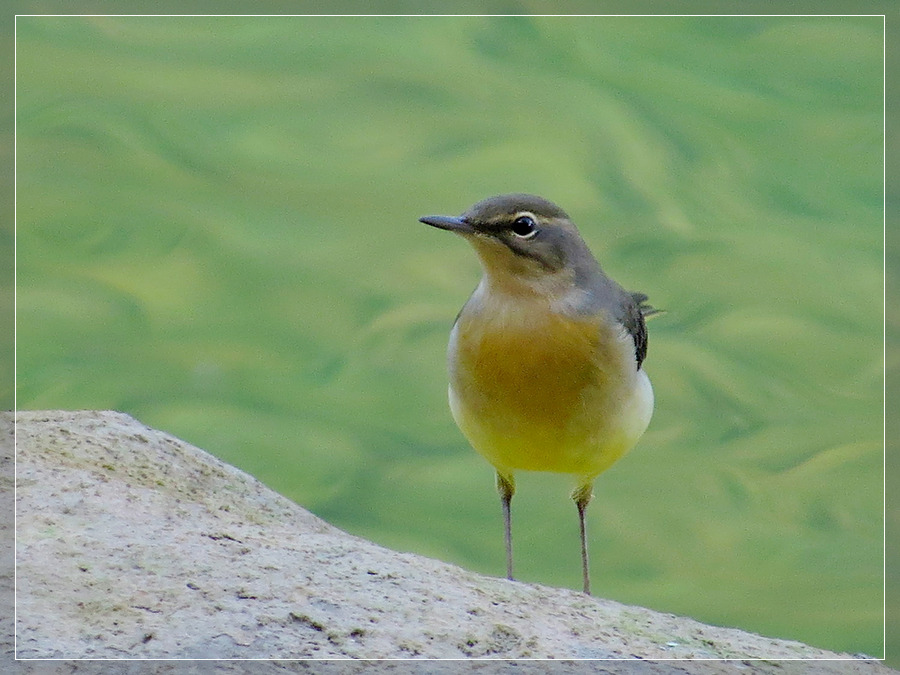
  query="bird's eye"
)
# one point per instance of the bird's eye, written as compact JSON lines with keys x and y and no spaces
{"x":524,"y":227}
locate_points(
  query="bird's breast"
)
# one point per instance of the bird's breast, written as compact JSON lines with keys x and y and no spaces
{"x":537,"y":368}
{"x":535,"y":389}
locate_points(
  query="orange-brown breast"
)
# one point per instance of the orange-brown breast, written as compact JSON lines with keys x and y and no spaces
{"x":532,"y":388}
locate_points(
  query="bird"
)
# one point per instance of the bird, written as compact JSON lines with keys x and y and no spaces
{"x":545,"y":359}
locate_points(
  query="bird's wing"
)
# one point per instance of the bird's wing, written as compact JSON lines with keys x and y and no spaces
{"x":632,"y":318}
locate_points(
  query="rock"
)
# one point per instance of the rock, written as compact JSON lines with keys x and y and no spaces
{"x":134,"y":544}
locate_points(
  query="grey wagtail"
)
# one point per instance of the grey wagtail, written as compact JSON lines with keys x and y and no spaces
{"x":545,"y":357}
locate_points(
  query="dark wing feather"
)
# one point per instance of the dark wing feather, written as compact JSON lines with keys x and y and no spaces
{"x":632,"y":318}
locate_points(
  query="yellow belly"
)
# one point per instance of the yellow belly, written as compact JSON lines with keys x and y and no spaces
{"x":543,"y":392}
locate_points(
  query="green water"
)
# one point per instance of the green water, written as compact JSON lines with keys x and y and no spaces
{"x":217,"y":234}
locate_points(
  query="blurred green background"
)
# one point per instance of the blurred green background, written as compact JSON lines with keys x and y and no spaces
{"x":216,"y":233}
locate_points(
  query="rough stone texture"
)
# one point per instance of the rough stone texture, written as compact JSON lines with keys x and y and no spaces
{"x":134,"y":544}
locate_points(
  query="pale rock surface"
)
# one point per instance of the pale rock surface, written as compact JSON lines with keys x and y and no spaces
{"x":132,"y":544}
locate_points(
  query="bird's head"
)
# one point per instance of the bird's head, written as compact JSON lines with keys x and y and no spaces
{"x":524,"y":243}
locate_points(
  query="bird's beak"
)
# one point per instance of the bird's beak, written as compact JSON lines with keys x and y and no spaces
{"x":452,"y":223}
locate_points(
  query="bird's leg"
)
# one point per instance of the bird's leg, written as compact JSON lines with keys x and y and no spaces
{"x":582,"y":497}
{"x":506,"y":486}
